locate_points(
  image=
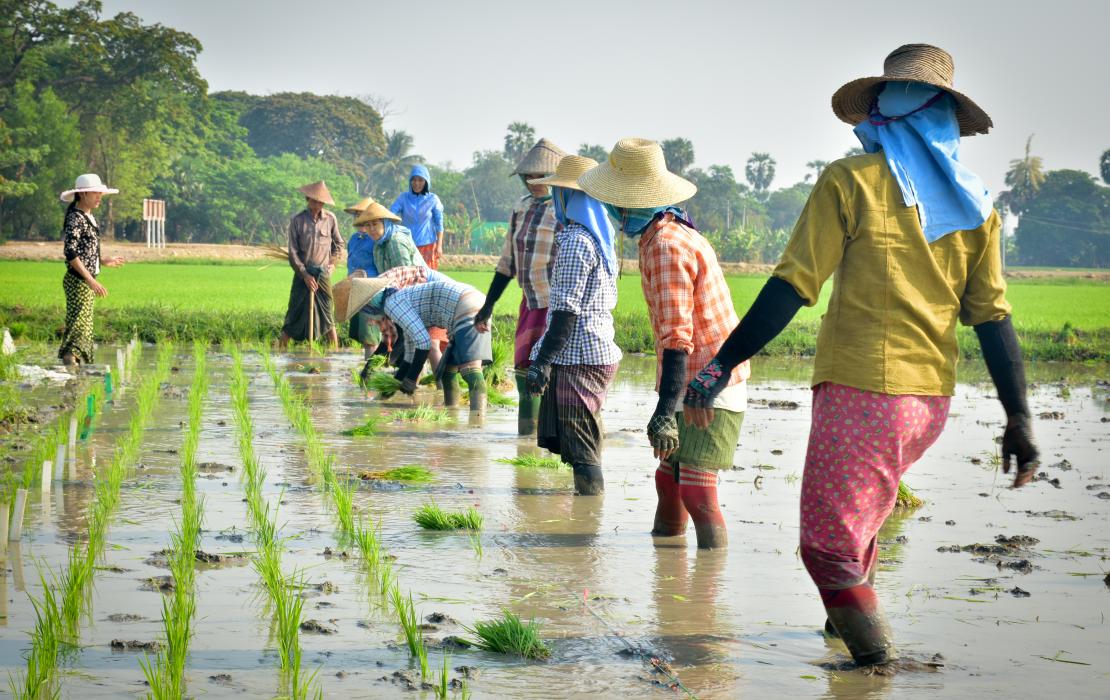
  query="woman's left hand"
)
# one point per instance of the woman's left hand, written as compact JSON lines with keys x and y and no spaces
{"x":112,"y":262}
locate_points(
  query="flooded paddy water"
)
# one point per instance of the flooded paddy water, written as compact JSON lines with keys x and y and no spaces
{"x":1012,"y":618}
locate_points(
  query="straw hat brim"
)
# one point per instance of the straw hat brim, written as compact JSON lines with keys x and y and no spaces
{"x":605,"y":184}
{"x":852,"y":103}
{"x":556,"y":181}
{"x":359,"y":206}
{"x":67,"y":196}
{"x":374,"y":212}
{"x":353,"y":293}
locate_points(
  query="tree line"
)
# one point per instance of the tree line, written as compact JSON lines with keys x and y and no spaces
{"x":83,"y":93}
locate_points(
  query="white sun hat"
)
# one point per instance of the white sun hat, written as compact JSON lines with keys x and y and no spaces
{"x":89,"y":182}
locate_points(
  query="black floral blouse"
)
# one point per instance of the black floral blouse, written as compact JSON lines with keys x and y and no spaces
{"x":81,"y":239}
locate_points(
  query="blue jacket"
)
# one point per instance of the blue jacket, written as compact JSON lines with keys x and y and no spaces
{"x":422,"y":214}
{"x":360,"y":254}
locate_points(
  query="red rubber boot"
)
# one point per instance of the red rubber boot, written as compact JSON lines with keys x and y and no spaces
{"x":699,"y":494}
{"x":670,"y":513}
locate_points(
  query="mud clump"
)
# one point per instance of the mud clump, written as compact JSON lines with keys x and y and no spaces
{"x":1003,"y":553}
{"x":329,"y":553}
{"x":158,"y":584}
{"x":214,"y":467}
{"x":220,"y":679}
{"x":124,"y":617}
{"x":1019,"y":592}
{"x":1050,"y":415}
{"x":455,"y":642}
{"x":1063,"y":465}
{"x":135,"y":645}
{"x":1042,"y":476}
{"x":1016,"y":541}
{"x":469,"y":672}
{"x":438,"y":618}
{"x":317,"y":627}
{"x":783,"y":405}
{"x":209,"y":560}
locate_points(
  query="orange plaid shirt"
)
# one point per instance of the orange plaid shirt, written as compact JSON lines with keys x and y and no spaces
{"x":687,"y":296}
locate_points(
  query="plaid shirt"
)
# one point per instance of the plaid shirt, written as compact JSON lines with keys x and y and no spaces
{"x":581,"y":284}
{"x":687,"y":296}
{"x":527,"y":252}
{"x":397,"y":251}
{"x":416,"y":308}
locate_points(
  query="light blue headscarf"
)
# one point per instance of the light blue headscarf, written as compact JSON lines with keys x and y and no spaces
{"x":915,"y":126}
{"x":574,"y":205}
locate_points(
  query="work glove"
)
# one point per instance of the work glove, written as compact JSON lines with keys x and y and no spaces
{"x":408,"y":386}
{"x":662,"y":432}
{"x":537,"y":378}
{"x":1017,"y":443}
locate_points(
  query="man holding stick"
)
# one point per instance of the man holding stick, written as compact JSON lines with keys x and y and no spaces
{"x":314,"y":249}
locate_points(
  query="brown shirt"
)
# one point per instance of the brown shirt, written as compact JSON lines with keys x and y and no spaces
{"x":314,"y":242}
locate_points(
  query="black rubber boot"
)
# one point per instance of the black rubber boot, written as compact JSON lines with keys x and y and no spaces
{"x":866,"y":633}
{"x":528,"y":406}
{"x":588,"y":480}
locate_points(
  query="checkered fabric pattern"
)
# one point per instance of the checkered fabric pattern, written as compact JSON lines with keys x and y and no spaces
{"x":688,"y":299}
{"x":583,"y":285}
{"x":414,"y":309}
{"x":527,"y":252}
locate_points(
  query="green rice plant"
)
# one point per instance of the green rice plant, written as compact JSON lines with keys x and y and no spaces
{"x":442,"y":682}
{"x":343,"y":496}
{"x":384,"y":383}
{"x":528,"y":461}
{"x":431,"y":517}
{"x":46,"y":642}
{"x":409,"y":474}
{"x":421,"y":414}
{"x":369,"y":427}
{"x":500,"y":371}
{"x":509,"y":635}
{"x":410,"y":626}
{"x":907,"y":498}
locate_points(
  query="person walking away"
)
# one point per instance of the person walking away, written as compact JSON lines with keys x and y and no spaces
{"x":911,"y":239}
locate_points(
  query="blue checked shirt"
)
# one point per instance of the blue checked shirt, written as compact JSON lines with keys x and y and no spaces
{"x":433,"y":303}
{"x":583,"y":285}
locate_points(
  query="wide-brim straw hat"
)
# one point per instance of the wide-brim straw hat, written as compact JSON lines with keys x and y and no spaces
{"x":359,"y":206}
{"x":636,"y":177}
{"x":568,"y":171}
{"x":353,"y":293}
{"x":89,"y":182}
{"x":918,"y":63}
{"x":318,"y":191}
{"x":373,"y":212}
{"x":541,"y":159}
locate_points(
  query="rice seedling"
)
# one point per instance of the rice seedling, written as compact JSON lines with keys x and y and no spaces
{"x":368,"y":428}
{"x":499,"y":372}
{"x":421,"y":414}
{"x":384,"y":383}
{"x":528,"y":461}
{"x":431,"y":517}
{"x":907,"y":498}
{"x":509,"y":635}
{"x":410,"y":626}
{"x":46,"y":641}
{"x":441,"y":685}
{"x":409,"y":474}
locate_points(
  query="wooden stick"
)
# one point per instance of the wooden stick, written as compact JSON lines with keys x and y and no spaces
{"x":311,"y":320}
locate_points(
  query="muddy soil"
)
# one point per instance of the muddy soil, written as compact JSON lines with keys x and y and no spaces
{"x":625,"y":615}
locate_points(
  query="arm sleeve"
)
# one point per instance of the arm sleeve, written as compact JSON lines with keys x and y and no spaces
{"x":672,"y":381}
{"x":984,"y":297}
{"x":669,"y":276}
{"x":573,"y":264}
{"x":1002,"y":354}
{"x":437,"y":216}
{"x":294,"y":256}
{"x":71,"y":234}
{"x":816,"y":246}
{"x":398,"y":205}
{"x":336,"y":242}
{"x":771,"y":311}
{"x":350,"y":260}
{"x":402,"y":313}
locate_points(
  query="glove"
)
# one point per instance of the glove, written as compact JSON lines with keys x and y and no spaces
{"x":537,"y":378}
{"x":706,"y":385}
{"x":408,"y":386}
{"x":662,"y":433}
{"x":1017,"y":442}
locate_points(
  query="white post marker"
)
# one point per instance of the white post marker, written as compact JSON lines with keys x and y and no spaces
{"x":119,"y":365}
{"x":60,"y":462}
{"x":16,"y":530}
{"x":4,"y":512}
{"x":73,"y":447}
{"x":47,"y":476}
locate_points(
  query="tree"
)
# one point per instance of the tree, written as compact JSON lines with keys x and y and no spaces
{"x":854,"y":151}
{"x":785,"y":205}
{"x":1024,"y":178}
{"x":518,"y":140}
{"x":593,"y":150}
{"x":1065,"y":222}
{"x":387,"y":173}
{"x":679,"y":154}
{"x":1104,"y":166}
{"x":486,"y":189}
{"x":818,"y":167}
{"x":760,"y":172}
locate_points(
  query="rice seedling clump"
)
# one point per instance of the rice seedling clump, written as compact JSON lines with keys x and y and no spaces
{"x":534,"y":462}
{"x":410,"y":474}
{"x":370,"y":427}
{"x":907,"y":498}
{"x":431,"y":516}
{"x":510,"y":635}
{"x":421,"y":414}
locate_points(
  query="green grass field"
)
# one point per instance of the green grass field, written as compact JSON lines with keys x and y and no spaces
{"x":1058,"y":319}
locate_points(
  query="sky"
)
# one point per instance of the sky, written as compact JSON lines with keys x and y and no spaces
{"x":732,"y":76}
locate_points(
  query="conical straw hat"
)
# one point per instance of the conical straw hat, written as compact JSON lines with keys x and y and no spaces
{"x":373,"y":212}
{"x":542,"y":159}
{"x":568,"y":171}
{"x":359,"y":206}
{"x":353,"y":293}
{"x":317,"y":191}
{"x":918,"y":63}
{"x":635,"y":177}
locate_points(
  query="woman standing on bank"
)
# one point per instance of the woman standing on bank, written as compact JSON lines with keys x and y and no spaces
{"x":81,"y":244}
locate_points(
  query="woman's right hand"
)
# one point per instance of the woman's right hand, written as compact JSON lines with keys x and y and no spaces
{"x":98,"y":289}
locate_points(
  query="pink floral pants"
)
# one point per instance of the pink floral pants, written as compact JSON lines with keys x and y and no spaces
{"x":860,"y":445}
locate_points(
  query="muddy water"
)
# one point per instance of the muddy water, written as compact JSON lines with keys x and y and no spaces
{"x":741,"y":622}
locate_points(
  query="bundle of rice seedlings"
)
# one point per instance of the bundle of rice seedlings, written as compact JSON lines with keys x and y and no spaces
{"x":907,"y":498}
{"x":370,"y":427}
{"x":410,"y":473}
{"x":534,"y":462}
{"x":421,"y":414}
{"x":509,"y":635}
{"x":431,"y":517}
{"x":384,"y":383}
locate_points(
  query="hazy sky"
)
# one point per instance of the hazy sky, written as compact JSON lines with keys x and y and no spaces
{"x":733,"y":77}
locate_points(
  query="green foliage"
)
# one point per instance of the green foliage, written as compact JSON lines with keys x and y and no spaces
{"x":519,"y":138}
{"x":678,"y":153}
{"x":368,"y":428}
{"x":907,"y":498}
{"x":431,"y":516}
{"x":595,"y":151}
{"x":508,"y":635}
{"x":528,"y":461}
{"x":421,"y":414}
{"x":1066,"y":222}
{"x":409,"y":474}
{"x":760,"y":172}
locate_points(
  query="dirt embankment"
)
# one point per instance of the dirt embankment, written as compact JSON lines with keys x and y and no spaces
{"x":138,"y":252}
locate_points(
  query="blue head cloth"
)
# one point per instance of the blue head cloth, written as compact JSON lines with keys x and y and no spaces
{"x":915,"y":126}
{"x":387,"y":225}
{"x":635,"y":221}
{"x":577,"y":206}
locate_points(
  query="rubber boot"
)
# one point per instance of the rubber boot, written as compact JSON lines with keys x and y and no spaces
{"x":476,"y":383}
{"x":528,"y":406}
{"x":670,"y":513}
{"x":858,"y":620}
{"x":588,"y":480}
{"x":450,"y":389}
{"x":364,"y":375}
{"x":699,"y":494}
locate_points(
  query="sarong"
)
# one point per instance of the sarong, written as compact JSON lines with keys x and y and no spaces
{"x":570,"y":412}
{"x":296,"y":317}
{"x":529,"y":329}
{"x":712,"y":447}
{"x":428,"y":252}
{"x":77,"y":339}
{"x":860,"y":445}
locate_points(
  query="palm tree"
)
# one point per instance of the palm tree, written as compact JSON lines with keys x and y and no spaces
{"x":1023,"y":178}
{"x":679,"y":154}
{"x":518,"y":139}
{"x":817,"y":166}
{"x":384,"y":173}
{"x":759,"y":172}
{"x":595,"y":151}
{"x":1104,"y":166}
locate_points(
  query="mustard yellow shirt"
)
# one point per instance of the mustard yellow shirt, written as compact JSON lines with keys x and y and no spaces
{"x":891,"y":322}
